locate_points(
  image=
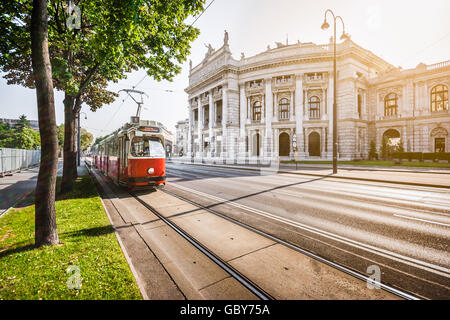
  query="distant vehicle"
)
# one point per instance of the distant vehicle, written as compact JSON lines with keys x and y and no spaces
{"x":133,"y":156}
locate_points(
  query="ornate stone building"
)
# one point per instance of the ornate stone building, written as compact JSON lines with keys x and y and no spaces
{"x":279,"y":104}
{"x":181,"y":137}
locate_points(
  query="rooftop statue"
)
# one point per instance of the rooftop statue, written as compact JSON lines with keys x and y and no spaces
{"x":210,"y":50}
{"x":225,"y":38}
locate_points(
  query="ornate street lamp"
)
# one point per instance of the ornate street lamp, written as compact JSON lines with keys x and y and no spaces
{"x":344,"y":36}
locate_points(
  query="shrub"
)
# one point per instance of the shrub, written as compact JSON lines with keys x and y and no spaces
{"x":373,"y":151}
{"x":415,"y":156}
{"x":443,"y":156}
{"x":429,"y":156}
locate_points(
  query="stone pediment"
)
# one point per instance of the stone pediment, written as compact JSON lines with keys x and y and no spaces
{"x":209,"y":65}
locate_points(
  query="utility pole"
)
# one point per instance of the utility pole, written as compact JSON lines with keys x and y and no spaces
{"x":344,"y":36}
{"x":139,"y":103}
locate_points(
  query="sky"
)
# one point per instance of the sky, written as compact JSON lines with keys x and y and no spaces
{"x":403,"y":32}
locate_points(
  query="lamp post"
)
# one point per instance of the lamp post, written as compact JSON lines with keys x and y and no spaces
{"x":344,"y":36}
{"x":79,"y":137}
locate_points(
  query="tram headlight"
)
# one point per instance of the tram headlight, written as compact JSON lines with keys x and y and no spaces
{"x":150,"y":170}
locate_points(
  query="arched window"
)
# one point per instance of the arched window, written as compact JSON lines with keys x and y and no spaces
{"x":314,"y":107}
{"x":439,"y":98}
{"x":391,"y":105}
{"x":257,"y":111}
{"x":284,"y":109}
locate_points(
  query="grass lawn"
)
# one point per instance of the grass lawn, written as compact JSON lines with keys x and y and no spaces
{"x":380,"y":163}
{"x":87,"y":241}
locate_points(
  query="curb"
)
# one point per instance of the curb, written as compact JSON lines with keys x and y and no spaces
{"x":17,"y":202}
{"x":139,"y":281}
{"x":323,"y":175}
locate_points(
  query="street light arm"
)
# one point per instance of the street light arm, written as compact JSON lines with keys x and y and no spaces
{"x":344,"y":35}
{"x":332,"y":13}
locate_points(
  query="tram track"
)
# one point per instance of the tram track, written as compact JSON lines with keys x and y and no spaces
{"x":247,"y":283}
{"x":239,"y":276}
{"x":330,"y":263}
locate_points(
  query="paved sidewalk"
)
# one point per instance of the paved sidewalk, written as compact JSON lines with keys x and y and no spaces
{"x":439,"y":179}
{"x":15,"y":187}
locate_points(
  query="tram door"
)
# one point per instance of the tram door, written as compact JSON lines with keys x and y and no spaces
{"x":121,"y":159}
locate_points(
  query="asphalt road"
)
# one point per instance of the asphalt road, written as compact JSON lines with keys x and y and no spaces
{"x":403,"y":230}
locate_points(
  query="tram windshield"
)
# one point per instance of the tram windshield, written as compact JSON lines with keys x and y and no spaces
{"x":147,"y":147}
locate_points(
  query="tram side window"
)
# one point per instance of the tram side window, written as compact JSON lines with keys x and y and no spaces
{"x":147,"y":147}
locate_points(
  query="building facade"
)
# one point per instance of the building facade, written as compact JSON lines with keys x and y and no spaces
{"x":181,"y":137}
{"x":34,"y":124}
{"x":279,"y":104}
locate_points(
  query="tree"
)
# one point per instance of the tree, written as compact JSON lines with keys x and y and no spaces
{"x":21,"y":136}
{"x":26,"y":138}
{"x":60,"y":130}
{"x":113,"y":37}
{"x":23,"y":123}
{"x":86,"y":139}
{"x":45,"y":217}
{"x":99,"y":139}
{"x":373,"y":151}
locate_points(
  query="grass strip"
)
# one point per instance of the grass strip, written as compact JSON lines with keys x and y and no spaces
{"x":87,"y":242}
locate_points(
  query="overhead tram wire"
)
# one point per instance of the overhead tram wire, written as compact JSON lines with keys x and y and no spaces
{"x":115,"y":113}
{"x":202,"y":12}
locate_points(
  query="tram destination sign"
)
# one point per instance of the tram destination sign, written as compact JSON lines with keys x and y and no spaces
{"x":150,"y":129}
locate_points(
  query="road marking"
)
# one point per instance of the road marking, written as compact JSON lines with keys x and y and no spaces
{"x":382,"y":252}
{"x":423,"y":220}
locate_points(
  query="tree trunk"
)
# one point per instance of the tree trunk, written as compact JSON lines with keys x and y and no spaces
{"x":69,"y":147}
{"x":77,"y":109}
{"x":76,"y":146}
{"x":45,"y":217}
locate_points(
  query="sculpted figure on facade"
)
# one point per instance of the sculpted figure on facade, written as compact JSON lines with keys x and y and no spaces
{"x":225,"y":38}
{"x":210,"y":50}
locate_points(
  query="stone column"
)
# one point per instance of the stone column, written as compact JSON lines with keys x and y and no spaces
{"x":190,"y":139}
{"x":330,"y":117}
{"x":224,"y":121}
{"x":243,"y":105}
{"x":200,"y":127}
{"x":291,"y":106}
{"x":322,"y":144}
{"x":268,"y":150}
{"x":211,"y":121}
{"x":249,"y":111}
{"x":299,"y":115}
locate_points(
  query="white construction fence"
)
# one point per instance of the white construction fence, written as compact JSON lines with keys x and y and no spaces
{"x":17,"y":159}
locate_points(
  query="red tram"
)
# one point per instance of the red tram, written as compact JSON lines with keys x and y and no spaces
{"x":134,"y":155}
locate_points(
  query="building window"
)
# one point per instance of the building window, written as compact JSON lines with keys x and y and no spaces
{"x":219,"y":112}
{"x":439,"y":98}
{"x":439,"y":145}
{"x":257,"y":111}
{"x":196,"y":115}
{"x":359,"y":106}
{"x":314,"y":107}
{"x":284,"y":109}
{"x":391,"y":105}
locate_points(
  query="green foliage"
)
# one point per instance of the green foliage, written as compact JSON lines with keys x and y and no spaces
{"x":87,"y":241}
{"x":86,"y":139}
{"x":21,"y":136}
{"x":373,"y":151}
{"x":60,"y":130}
{"x":115,"y":37}
{"x":99,"y":139}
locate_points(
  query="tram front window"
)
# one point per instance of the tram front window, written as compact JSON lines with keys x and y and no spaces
{"x":147,"y":147}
